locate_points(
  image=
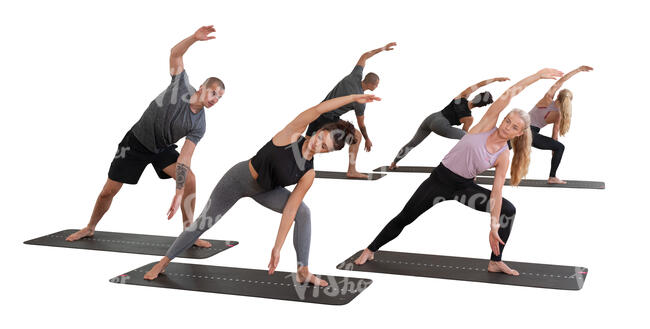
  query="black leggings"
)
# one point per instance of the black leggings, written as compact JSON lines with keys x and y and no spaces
{"x":444,"y":185}
{"x":546,"y":143}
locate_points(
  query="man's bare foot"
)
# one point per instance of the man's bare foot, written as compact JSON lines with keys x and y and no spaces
{"x":202,"y":243}
{"x":501,"y":267}
{"x":157,"y":269}
{"x":303,"y":275}
{"x":392,"y":166}
{"x":84,"y":232}
{"x":365,"y":256}
{"x":555,"y":180}
{"x":356,"y":174}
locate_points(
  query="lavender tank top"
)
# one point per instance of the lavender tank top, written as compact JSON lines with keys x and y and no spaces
{"x":470,"y":156}
{"x":538,"y":115}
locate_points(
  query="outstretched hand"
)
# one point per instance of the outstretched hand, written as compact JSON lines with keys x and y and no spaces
{"x":585,"y":68}
{"x":366,"y":98}
{"x":203,"y":33}
{"x":550,"y":74}
{"x":501,"y":79}
{"x":390,"y":46}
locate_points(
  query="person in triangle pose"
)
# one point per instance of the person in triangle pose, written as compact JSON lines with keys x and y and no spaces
{"x":352,"y":84}
{"x":286,"y":159}
{"x":457,"y":112}
{"x":558,"y":113}
{"x":179,"y":111}
{"x":485,"y":146}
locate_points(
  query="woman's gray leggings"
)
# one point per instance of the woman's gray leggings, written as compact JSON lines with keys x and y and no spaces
{"x":437,"y":123}
{"x":234,"y":185}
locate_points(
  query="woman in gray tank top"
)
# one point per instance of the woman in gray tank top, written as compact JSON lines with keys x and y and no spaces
{"x":455,"y":113}
{"x":484,"y":147}
{"x":557,"y":112}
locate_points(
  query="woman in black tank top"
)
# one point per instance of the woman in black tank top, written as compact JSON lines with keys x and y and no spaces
{"x":287,"y":159}
{"x":457,"y":112}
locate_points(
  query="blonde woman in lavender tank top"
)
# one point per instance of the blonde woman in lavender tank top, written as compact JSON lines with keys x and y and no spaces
{"x":453,"y":179}
{"x":557,"y":112}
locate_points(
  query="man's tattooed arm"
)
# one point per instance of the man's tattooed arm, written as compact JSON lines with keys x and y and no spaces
{"x":181,"y":175}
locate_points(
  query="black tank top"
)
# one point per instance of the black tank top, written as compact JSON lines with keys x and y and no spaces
{"x":457,"y":109}
{"x":281,"y":165}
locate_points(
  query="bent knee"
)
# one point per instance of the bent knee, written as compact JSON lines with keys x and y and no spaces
{"x":303,"y":213}
{"x":508,"y":209}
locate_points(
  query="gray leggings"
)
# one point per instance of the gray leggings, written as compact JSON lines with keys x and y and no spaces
{"x":234,"y":185}
{"x":437,"y":123}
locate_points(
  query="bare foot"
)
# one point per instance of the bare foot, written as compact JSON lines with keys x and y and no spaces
{"x":303,"y":275}
{"x":501,"y":267}
{"x":202,"y":243}
{"x":356,"y":174}
{"x":157,"y":269}
{"x":366,"y":255}
{"x":555,"y":180}
{"x":392,"y":166}
{"x":84,"y":232}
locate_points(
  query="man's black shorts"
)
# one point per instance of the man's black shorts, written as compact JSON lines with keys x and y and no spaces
{"x":132,"y":157}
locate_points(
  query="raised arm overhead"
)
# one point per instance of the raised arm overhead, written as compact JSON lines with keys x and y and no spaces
{"x":469,"y":90}
{"x":176,"y":56}
{"x":489,"y":120}
{"x":368,"y":54}
{"x":550,"y":94}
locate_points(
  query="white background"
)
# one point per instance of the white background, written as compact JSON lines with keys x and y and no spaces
{"x":76,"y":76}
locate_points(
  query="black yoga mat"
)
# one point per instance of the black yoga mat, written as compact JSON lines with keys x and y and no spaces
{"x":248,"y":282}
{"x":470,"y":269}
{"x":130,"y":243}
{"x":544,"y":183}
{"x":418,"y":169}
{"x":342,"y":175}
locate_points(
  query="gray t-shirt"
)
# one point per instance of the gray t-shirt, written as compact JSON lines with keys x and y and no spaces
{"x":169,"y":117}
{"x":350,"y":85}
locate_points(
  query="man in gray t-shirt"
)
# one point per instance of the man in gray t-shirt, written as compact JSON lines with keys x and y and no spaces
{"x":350,"y":85}
{"x":179,"y":111}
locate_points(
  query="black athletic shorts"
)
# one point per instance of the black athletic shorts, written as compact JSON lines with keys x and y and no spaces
{"x":318,"y":124}
{"x":132,"y":157}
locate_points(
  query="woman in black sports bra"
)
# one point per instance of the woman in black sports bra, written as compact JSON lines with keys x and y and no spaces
{"x":285,"y":160}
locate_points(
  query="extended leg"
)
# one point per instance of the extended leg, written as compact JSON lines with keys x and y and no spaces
{"x":102,"y":204}
{"x":425,"y":197}
{"x":234,"y":185}
{"x":422,"y":133}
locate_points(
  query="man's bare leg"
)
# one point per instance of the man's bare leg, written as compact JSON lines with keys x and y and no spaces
{"x":189,"y":201}
{"x":354,"y":150}
{"x":102,"y":204}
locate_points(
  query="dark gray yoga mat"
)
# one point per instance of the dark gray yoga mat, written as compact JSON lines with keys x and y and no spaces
{"x":130,"y":243}
{"x":248,"y":282}
{"x":543,"y":183}
{"x":418,"y":169}
{"x":470,"y":269}
{"x":342,"y":175}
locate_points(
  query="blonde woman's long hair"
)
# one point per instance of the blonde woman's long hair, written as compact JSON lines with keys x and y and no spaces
{"x":521,"y":148}
{"x":564,"y":98}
